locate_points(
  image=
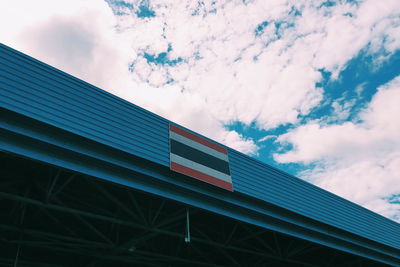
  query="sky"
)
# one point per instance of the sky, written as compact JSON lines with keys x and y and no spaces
{"x":311,"y":87}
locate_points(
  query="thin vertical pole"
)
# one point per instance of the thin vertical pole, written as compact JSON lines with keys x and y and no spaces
{"x":187,"y":232}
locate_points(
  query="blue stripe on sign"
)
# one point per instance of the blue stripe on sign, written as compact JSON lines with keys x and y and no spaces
{"x":198,"y":156}
{"x":201,"y":168}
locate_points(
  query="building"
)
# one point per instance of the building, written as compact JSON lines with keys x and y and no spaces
{"x":87,"y":181}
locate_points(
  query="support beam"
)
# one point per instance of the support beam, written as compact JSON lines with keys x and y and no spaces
{"x":263,"y":242}
{"x":137,"y":207}
{"x":277,"y":245}
{"x":89,"y":225}
{"x":115,"y":200}
{"x":232,"y":232}
{"x":135,"y":225}
{"x":71,"y":177}
{"x":53,"y":237}
{"x":123,"y":258}
{"x":220,"y":249}
{"x":53,"y":182}
{"x":153,"y":220}
{"x":27,"y":263}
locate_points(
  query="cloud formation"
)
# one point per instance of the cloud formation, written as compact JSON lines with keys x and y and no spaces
{"x":265,"y":53}
{"x":210,"y":64}
{"x":246,"y":61}
{"x":75,"y":36}
{"x":359,"y":160}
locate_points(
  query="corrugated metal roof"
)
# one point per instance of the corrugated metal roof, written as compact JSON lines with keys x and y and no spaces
{"x":279,"y":188}
{"x":36,"y":90}
{"x":47,"y":94}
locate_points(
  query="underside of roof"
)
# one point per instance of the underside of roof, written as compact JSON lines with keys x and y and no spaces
{"x":51,"y":216}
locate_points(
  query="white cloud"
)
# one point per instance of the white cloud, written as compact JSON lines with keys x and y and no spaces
{"x":82,"y":38}
{"x":266,"y":138}
{"x":189,"y":111}
{"x":342,"y":109}
{"x":75,"y":36}
{"x":219,"y":61}
{"x":224,"y":63}
{"x":218,"y":51}
{"x":359,"y":161}
{"x":217,"y":70}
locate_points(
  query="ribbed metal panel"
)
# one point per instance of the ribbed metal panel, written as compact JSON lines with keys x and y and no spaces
{"x":44,"y":93}
{"x":41,"y":92}
{"x":261,"y":181}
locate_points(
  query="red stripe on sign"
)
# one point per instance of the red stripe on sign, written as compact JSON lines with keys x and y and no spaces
{"x":201,"y":176}
{"x":197,"y":139}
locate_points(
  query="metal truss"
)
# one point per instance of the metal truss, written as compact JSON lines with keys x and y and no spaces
{"x":53,"y":217}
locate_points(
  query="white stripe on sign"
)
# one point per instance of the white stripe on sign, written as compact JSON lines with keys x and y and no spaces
{"x":198,"y":146}
{"x":201,"y":168}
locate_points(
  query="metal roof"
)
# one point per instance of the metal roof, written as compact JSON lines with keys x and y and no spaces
{"x":32,"y":89}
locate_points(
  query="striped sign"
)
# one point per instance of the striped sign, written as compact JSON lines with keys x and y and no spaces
{"x":199,"y":158}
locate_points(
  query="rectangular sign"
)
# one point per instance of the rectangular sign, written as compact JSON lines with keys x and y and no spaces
{"x":199,"y":158}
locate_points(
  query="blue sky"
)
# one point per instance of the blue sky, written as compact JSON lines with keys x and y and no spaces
{"x":311,"y":87}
